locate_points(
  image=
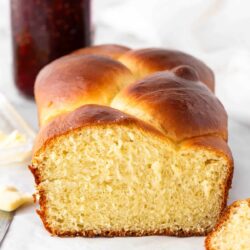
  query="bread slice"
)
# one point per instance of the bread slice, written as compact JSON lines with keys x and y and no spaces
{"x":101,"y":172}
{"x":233,"y":229}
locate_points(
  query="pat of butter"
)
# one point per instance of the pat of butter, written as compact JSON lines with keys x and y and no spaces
{"x":11,"y":140}
{"x":14,"y":147}
{"x":11,"y":199}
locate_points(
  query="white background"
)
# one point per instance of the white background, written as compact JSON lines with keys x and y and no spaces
{"x":216,"y":31}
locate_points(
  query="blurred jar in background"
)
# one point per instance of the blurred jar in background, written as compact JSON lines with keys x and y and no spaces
{"x":43,"y":30}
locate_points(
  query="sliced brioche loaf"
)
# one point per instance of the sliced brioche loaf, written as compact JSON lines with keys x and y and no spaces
{"x":233,"y":229}
{"x":117,"y":157}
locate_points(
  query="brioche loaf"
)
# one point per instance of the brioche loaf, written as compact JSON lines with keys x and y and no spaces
{"x":121,"y":156}
{"x":233,"y":229}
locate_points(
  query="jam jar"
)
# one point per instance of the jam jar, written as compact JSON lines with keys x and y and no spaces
{"x":43,"y":30}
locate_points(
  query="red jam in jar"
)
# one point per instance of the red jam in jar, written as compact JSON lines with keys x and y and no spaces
{"x":43,"y":30}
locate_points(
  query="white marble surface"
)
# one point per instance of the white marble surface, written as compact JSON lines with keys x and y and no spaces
{"x":214,"y":30}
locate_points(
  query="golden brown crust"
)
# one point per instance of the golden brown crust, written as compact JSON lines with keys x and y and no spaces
{"x":178,"y":107}
{"x":223,"y":219}
{"x":36,"y":175}
{"x":143,"y":62}
{"x":113,"y":51}
{"x":72,"y":81}
{"x":123,"y":233}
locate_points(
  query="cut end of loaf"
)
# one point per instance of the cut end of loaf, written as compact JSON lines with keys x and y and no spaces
{"x":233,"y":230}
{"x":120,"y":180}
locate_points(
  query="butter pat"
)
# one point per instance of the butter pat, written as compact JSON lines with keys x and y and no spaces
{"x":16,"y":136}
{"x":14,"y":147}
{"x":11,"y":140}
{"x":11,"y":199}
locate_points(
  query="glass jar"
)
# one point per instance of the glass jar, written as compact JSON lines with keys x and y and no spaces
{"x":43,"y":30}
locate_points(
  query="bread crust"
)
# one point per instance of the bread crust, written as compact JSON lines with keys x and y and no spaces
{"x":72,"y":81}
{"x":178,"y":107}
{"x":143,"y":62}
{"x":113,"y":51}
{"x":223,"y":220}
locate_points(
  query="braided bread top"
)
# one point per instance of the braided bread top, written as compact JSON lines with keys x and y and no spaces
{"x":169,"y":90}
